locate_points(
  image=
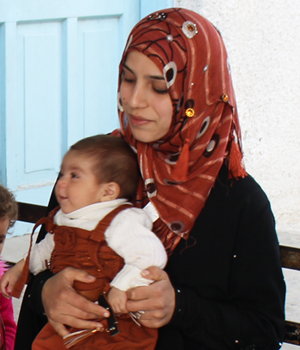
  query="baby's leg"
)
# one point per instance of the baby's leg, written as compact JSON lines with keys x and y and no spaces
{"x":48,"y":339}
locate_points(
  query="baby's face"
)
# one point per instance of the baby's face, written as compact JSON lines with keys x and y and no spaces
{"x":77,"y":186}
{"x":4,"y":224}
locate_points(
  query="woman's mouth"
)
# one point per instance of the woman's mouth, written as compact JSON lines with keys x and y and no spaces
{"x":138,"y":121}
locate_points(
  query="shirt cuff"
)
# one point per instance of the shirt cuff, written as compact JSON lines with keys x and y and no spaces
{"x":187,"y":308}
{"x":179,"y":307}
{"x":129,"y":277}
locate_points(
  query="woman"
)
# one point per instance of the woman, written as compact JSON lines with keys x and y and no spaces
{"x":223,"y":287}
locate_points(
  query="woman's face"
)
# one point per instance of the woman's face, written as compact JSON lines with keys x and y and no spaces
{"x":145,"y":98}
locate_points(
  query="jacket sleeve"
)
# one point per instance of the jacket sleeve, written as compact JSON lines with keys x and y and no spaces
{"x":251,"y":316}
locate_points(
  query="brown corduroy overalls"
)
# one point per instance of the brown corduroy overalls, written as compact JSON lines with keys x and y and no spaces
{"x":88,"y":250}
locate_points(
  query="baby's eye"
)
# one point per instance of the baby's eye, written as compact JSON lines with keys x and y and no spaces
{"x":74,"y":176}
{"x":60,"y":174}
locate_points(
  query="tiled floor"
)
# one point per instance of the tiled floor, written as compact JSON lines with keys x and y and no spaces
{"x":15,"y":247}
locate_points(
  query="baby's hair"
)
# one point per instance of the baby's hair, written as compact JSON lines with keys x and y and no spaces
{"x":8,"y":206}
{"x":114,"y":161}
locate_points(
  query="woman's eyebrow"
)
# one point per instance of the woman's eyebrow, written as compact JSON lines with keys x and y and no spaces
{"x":130,"y":70}
{"x":157,"y":77}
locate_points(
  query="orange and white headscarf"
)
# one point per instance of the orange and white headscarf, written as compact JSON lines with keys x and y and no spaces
{"x":180,"y":169}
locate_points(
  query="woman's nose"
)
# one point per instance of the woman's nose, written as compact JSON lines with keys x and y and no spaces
{"x":138,"y":97}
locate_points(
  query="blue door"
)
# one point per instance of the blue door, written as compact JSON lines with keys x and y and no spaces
{"x":58,"y":81}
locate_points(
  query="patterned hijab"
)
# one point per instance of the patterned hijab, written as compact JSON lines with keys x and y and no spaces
{"x":180,"y":169}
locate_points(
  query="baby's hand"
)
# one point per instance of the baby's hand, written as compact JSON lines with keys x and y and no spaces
{"x":117,"y":300}
{"x":10,"y":278}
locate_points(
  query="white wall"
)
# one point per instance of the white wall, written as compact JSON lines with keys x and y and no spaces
{"x":263,"y":43}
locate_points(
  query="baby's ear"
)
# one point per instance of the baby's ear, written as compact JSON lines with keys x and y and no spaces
{"x":111,"y":191}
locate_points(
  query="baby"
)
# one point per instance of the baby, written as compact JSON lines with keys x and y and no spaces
{"x":96,"y":229}
{"x":8,"y":216}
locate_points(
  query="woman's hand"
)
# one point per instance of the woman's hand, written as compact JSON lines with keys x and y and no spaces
{"x":156,"y":300}
{"x":64,"y":306}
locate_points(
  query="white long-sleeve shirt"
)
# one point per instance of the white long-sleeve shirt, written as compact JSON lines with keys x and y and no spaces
{"x":129,"y":235}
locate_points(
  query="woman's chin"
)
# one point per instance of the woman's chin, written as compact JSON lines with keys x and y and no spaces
{"x":146,"y":136}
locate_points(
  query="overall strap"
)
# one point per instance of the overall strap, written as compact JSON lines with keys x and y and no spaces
{"x":98,"y":232}
{"x":97,"y":236}
{"x":17,"y":290}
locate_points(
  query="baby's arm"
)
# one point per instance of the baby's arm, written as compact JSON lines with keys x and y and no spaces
{"x":10,"y":278}
{"x":40,"y":254}
{"x":130,"y":236}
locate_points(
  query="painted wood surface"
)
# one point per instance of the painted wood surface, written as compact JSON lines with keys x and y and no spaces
{"x":58,"y":82}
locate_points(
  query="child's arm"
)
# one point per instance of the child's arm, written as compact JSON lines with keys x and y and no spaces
{"x":10,"y":278}
{"x":39,"y":255}
{"x":130,"y":236}
{"x":117,"y":300}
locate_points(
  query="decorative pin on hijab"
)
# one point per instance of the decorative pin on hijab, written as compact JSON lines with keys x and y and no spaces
{"x":189,"y":29}
{"x":190,"y":112}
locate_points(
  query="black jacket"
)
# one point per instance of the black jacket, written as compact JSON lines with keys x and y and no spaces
{"x":229,"y":286}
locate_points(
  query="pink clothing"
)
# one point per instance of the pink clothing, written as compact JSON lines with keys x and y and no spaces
{"x":7,"y":314}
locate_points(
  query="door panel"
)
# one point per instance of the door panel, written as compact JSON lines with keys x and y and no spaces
{"x":58,"y":73}
{"x":58,"y":81}
{"x":39,"y":96}
{"x":98,"y":45}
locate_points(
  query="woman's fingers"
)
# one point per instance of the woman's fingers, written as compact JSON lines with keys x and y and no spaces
{"x":64,"y":306}
{"x":61,"y":329}
{"x":157,"y":300}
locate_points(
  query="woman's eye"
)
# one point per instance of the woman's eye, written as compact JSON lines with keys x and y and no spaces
{"x":161,"y":91}
{"x":128,"y":79}
{"x":160,"y":88}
